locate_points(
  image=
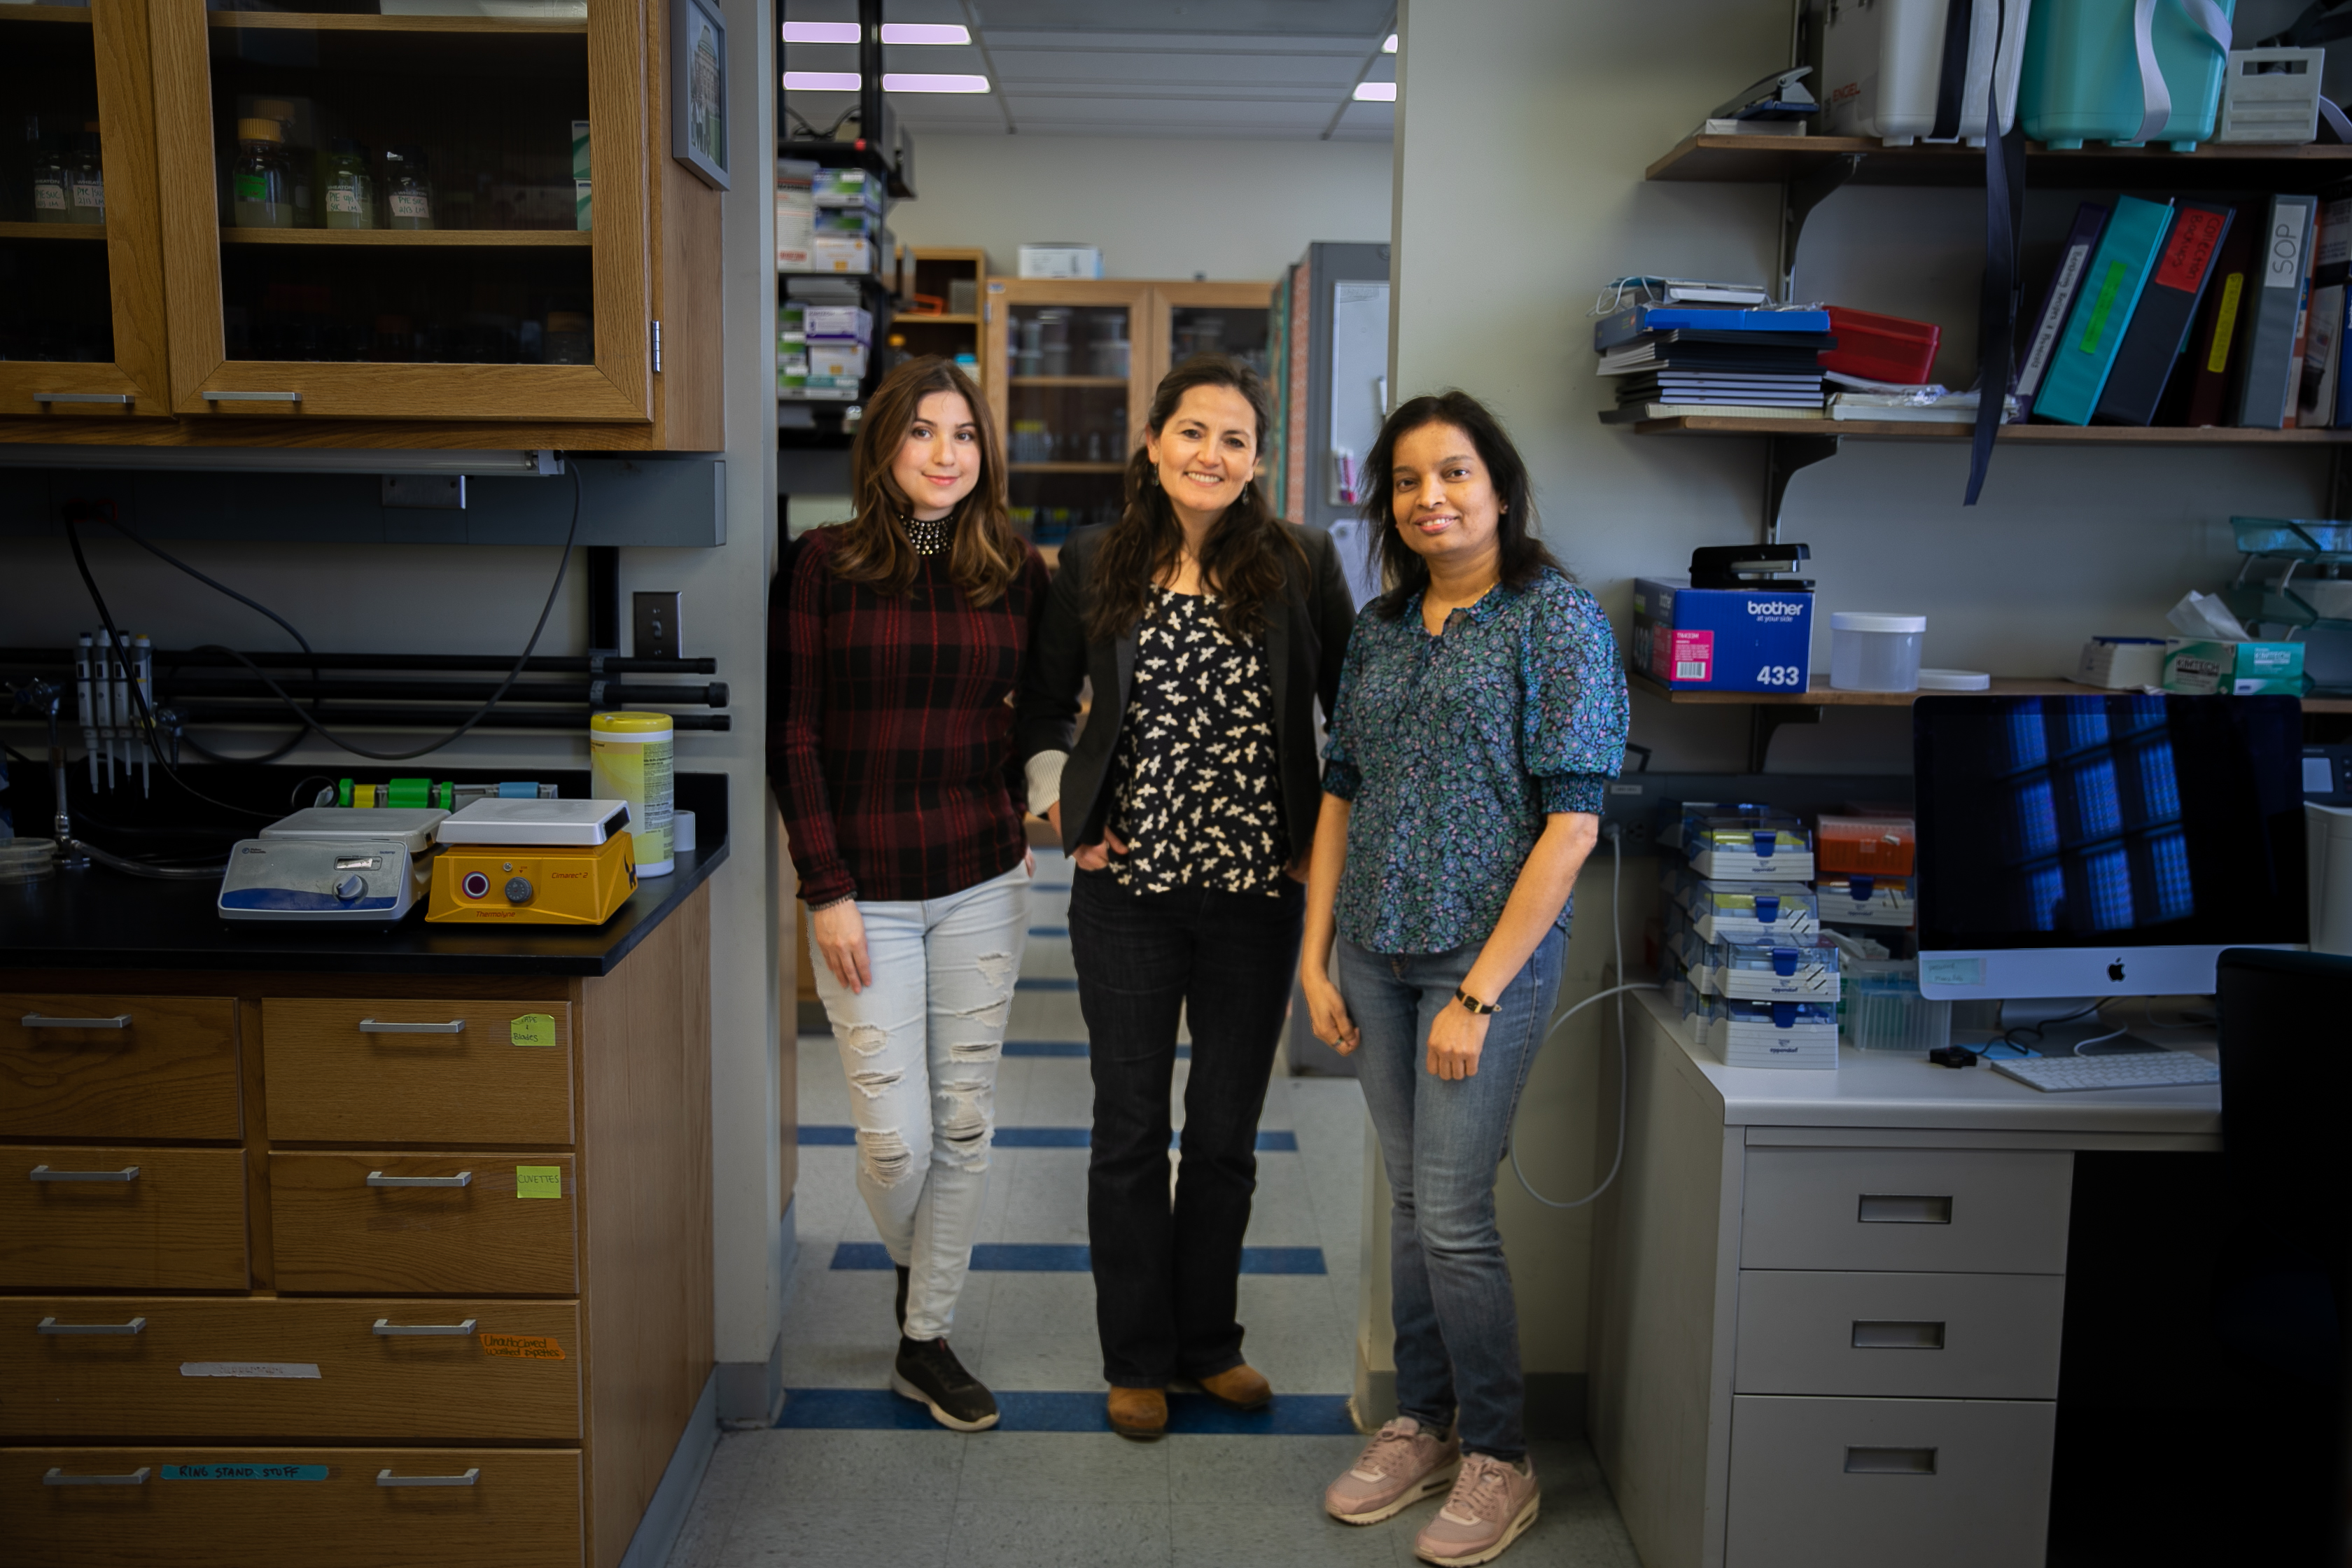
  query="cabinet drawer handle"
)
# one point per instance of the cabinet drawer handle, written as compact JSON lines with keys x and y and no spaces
{"x":386,"y":1479}
{"x":1903,"y":1208}
{"x":385,"y":1326}
{"x":1890,"y":1461}
{"x":462,"y":1179}
{"x":128,"y":1174}
{"x":385,"y":1026}
{"x":58,"y":1478}
{"x":51,"y":1326}
{"x":253,"y":397}
{"x":1886,"y":1335}
{"x":38,"y":1021}
{"x":119,"y":399}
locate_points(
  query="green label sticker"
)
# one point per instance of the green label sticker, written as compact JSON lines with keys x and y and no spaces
{"x":533,"y":1029}
{"x":2109,"y":287}
{"x":252,"y":188}
{"x":538,"y":1180}
{"x":244,"y":1473}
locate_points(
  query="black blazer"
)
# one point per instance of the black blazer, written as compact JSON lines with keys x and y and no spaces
{"x":1305,"y":637}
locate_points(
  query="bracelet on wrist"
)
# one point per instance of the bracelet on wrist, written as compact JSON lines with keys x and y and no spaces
{"x":1485,"y":1009}
{"x":833,"y":903}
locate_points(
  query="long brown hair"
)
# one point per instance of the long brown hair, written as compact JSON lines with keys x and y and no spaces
{"x":1403,"y":572}
{"x":1241,"y":559}
{"x":986,"y":555}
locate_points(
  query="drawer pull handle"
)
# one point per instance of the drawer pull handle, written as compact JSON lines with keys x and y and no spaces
{"x":253,"y":397}
{"x":1884,"y":1335}
{"x":118,"y":398}
{"x":386,"y":1327}
{"x":1903,"y":1208}
{"x":386,"y":1026}
{"x":128,"y":1174}
{"x":462,"y":1179}
{"x":386,"y":1479}
{"x":39,"y":1021}
{"x":58,"y":1478}
{"x":51,"y":1326}
{"x":1890,"y":1461}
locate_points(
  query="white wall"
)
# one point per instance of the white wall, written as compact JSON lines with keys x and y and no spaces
{"x":1523,"y":130}
{"x":1233,"y":210}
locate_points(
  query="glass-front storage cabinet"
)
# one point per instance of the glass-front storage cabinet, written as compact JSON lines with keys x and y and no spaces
{"x":82,"y":305}
{"x":1070,"y":377}
{"x":405,"y":209}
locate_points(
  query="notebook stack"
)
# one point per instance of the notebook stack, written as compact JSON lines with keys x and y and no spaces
{"x":1732,"y":357}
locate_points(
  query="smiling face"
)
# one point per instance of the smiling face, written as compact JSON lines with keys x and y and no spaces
{"x":1443,"y":500}
{"x":1206,"y":452}
{"x":939,"y":462}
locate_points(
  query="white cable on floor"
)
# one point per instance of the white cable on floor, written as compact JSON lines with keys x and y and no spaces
{"x":1617,"y":931}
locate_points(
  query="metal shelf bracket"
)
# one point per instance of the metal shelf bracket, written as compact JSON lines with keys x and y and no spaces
{"x":1783,"y":456}
{"x":1799,"y":197}
{"x":1764,"y":722}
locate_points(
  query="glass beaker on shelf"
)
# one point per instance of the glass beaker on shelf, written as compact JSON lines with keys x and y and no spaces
{"x":407,"y":189}
{"x":86,"y":180}
{"x":52,"y":183}
{"x":298,"y":143}
{"x":261,"y":186}
{"x":350,"y":188}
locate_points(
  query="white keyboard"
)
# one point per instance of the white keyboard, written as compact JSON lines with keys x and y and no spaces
{"x":2134,"y":1069}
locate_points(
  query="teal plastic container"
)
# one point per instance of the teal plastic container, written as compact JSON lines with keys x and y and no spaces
{"x":2080,"y":79}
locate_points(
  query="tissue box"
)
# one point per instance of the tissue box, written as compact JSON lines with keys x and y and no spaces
{"x":1722,"y":639}
{"x":831,"y":253}
{"x":2122,"y":663}
{"x":2233,"y":668}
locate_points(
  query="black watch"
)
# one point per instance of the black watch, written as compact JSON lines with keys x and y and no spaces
{"x":1473,"y":1004}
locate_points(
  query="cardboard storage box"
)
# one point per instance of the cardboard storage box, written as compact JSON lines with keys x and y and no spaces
{"x":2233,"y":668}
{"x":1722,"y":639}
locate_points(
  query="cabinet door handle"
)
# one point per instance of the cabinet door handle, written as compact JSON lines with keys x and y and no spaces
{"x":128,"y":1174}
{"x":462,"y":1179}
{"x":1890,"y":1461}
{"x":386,"y":1327}
{"x":42,"y":1021}
{"x":386,"y":1479}
{"x":51,"y":1326}
{"x":386,"y":1026}
{"x":119,"y":399}
{"x":1903,"y":1208}
{"x":1887,"y":1335}
{"x":58,"y":1478}
{"x":253,"y":397}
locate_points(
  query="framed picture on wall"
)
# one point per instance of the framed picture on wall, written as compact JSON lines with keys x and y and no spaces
{"x":697,"y":89}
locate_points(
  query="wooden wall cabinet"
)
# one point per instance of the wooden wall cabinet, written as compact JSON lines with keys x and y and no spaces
{"x":354,"y":230}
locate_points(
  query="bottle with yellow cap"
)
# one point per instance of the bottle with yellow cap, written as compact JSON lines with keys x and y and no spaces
{"x":629,"y":758}
{"x":263,"y":183}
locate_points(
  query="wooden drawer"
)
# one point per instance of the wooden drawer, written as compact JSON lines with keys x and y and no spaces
{"x":177,"y":1223}
{"x":1866,"y":1483}
{"x":350,"y":1224}
{"x":117,"y":1368}
{"x":520,"y":1509}
{"x":341,"y":1071}
{"x":119,"y":1067}
{"x":1951,"y":1336}
{"x":1912,"y":1210}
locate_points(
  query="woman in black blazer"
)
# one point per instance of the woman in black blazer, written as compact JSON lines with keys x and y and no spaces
{"x":1208,"y":629}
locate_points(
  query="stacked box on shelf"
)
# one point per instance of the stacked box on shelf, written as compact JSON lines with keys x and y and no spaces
{"x":1744,"y":1033}
{"x":822,"y":350}
{"x":1744,"y":842}
{"x":1752,"y":911}
{"x":846,"y":221}
{"x":1760,"y":991}
{"x":795,"y":214}
{"x":1863,"y":870}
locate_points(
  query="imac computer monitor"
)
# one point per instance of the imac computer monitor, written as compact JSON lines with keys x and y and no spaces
{"x":2103,"y":845}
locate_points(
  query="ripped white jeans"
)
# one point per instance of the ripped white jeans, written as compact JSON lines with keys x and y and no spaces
{"x":920,"y":1046}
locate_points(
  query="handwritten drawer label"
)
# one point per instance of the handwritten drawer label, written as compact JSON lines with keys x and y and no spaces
{"x":533,"y":1029}
{"x":538,"y":1180}
{"x":246,"y":1472}
{"x":249,"y":1369}
{"x":529,"y":1347}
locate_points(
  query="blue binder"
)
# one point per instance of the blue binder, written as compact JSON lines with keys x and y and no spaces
{"x":2103,"y":308}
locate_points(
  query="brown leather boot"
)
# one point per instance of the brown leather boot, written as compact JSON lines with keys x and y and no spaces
{"x":1139,"y":1413}
{"x":1241,"y":1388}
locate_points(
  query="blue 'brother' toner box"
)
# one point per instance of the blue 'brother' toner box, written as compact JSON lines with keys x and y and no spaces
{"x":1722,"y":639}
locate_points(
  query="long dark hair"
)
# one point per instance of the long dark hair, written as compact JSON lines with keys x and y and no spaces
{"x":1242,"y":558}
{"x":1404,"y":574}
{"x":986,"y":555}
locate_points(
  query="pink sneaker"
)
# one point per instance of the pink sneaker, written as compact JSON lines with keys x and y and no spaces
{"x":1492,"y":1505}
{"x":1400,"y":1466}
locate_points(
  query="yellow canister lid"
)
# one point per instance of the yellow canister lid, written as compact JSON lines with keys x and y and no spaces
{"x":631,"y":723}
{"x":259,"y":130}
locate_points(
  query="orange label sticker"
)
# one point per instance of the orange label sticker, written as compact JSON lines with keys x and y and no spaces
{"x":529,"y":1347}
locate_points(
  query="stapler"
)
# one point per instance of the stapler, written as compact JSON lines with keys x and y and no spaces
{"x":1765,"y":567}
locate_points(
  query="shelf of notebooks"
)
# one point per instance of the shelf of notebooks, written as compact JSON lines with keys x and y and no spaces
{"x":1821,"y":695}
{"x":2234,"y":166}
{"x":2031,"y":435}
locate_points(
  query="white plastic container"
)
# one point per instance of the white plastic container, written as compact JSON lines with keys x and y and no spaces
{"x":1881,"y":67}
{"x":1876,"y":652}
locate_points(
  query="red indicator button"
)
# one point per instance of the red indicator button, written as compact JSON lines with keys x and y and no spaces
{"x":476,"y":886}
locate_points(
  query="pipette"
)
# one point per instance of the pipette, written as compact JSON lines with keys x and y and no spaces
{"x":145,"y":650}
{"x":86,"y":705}
{"x":122,"y":727}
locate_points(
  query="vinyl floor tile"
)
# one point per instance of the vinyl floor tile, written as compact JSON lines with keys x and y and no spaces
{"x":1207,"y":1535}
{"x":806,"y":1531}
{"x":1285,"y":1472}
{"x":1060,"y":1535}
{"x":1064,"y":1467}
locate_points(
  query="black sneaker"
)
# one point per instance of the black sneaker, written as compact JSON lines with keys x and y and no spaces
{"x":928,"y":1372}
{"x":899,"y":1318}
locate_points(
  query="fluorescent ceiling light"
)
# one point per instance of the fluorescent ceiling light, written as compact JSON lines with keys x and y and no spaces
{"x":820,"y":82}
{"x":923,"y":33}
{"x":900,"y":81}
{"x":823,"y":32}
{"x":1387,"y":45}
{"x":1376,"y":92}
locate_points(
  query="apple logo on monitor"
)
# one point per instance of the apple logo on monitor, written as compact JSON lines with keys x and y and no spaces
{"x":2116,"y":971}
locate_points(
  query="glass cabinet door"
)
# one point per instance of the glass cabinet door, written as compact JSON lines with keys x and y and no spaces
{"x":81,"y":302}
{"x":1063,"y":375}
{"x":406,"y":208}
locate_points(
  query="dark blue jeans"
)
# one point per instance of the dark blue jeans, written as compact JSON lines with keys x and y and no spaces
{"x":1457,"y":1324}
{"x":1166,"y":1275}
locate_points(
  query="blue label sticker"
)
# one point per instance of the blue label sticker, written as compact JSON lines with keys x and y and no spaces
{"x":245,"y":1472}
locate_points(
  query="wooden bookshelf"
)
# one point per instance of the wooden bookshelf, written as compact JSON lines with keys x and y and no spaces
{"x":1821,"y":695}
{"x":1775,"y":159}
{"x":2028,"y":434}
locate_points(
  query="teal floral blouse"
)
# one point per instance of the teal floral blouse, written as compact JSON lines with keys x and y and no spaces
{"x":1453,"y":749}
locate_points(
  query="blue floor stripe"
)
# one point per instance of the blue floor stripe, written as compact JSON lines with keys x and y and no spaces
{"x":1049,"y":887}
{"x":1038,"y":1258}
{"x":1046,"y":984}
{"x":819,"y":1135}
{"x":1189,"y":1415}
{"x":1049,"y":930}
{"x":1066,"y":1048}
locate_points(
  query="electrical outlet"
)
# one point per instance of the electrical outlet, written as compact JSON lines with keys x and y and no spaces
{"x":427,"y":493}
{"x":657,"y":634}
{"x":1634,"y":806}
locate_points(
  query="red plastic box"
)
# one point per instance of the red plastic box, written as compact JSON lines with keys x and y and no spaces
{"x":1880,"y":348}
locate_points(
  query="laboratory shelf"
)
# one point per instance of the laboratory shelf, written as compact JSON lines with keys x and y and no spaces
{"x":1824,"y":696}
{"x":544,"y":237}
{"x":311,"y":21}
{"x":1774,"y":160}
{"x":909,"y":319}
{"x":76,"y":15}
{"x":1069,"y":380}
{"x":2031,"y":435}
{"x":52,"y":231}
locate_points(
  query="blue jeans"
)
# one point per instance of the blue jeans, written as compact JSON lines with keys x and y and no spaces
{"x":1457,"y":1326}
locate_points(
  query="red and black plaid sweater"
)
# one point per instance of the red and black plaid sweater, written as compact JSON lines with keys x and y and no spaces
{"x":897,"y":778}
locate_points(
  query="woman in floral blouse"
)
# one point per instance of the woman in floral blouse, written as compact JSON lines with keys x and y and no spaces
{"x":1481,"y":709}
